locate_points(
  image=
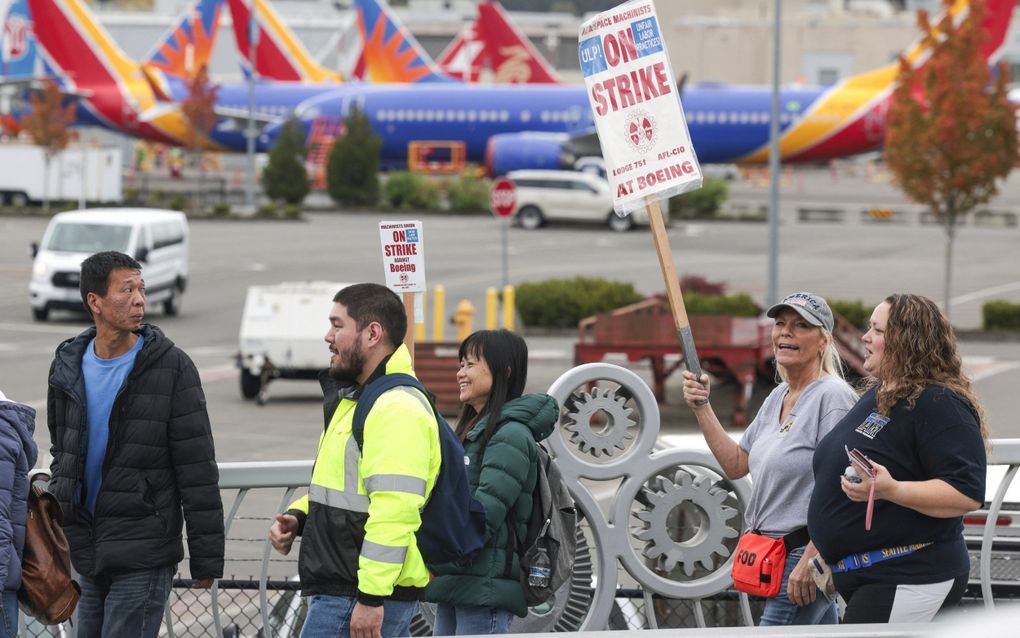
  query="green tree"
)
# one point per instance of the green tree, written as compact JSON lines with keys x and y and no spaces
{"x":951,"y":129}
{"x":47,"y":125}
{"x":285,"y":176}
{"x":352,"y":170}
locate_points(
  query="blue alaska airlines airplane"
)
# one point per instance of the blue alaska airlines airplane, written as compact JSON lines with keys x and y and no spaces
{"x":507,"y":127}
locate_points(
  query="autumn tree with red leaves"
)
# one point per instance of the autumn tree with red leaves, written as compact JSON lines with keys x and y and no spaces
{"x":951,"y":133}
{"x":199,"y":107}
{"x":48,"y":125}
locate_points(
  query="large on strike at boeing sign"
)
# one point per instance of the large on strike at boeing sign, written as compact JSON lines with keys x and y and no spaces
{"x":638,"y":115}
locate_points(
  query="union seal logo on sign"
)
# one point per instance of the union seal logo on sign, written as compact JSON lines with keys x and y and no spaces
{"x":640,"y":130}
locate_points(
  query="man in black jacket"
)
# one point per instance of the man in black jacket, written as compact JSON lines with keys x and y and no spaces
{"x":133,"y":457}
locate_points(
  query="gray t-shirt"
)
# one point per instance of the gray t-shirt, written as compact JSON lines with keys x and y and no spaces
{"x":779,"y":454}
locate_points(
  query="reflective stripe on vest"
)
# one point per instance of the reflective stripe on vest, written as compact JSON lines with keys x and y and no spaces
{"x":338,"y":499}
{"x":383,"y":553}
{"x":348,"y":498}
{"x":395,"y":483}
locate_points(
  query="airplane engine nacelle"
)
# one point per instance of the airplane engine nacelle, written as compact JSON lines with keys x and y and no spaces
{"x":514,"y":151}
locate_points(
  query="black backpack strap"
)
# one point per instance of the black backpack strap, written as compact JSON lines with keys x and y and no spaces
{"x":371,"y":392}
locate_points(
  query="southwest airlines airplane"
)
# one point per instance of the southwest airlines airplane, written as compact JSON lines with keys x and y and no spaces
{"x":508,"y":127}
{"x":549,"y":126}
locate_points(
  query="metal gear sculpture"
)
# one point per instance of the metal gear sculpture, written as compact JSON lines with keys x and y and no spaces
{"x":664,"y":496}
{"x":654,"y":484}
{"x":582,"y":406}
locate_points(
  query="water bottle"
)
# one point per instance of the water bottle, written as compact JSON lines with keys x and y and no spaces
{"x":541,"y":569}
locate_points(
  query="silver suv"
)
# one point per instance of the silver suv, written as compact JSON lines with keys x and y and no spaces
{"x":544,"y":196}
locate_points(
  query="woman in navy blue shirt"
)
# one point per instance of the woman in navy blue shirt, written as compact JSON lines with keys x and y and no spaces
{"x":922,"y":429}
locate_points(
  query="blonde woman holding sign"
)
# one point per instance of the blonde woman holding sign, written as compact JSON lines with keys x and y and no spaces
{"x":777,"y":449}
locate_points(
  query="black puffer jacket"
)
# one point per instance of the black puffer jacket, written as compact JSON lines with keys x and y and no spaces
{"x":160,"y":457}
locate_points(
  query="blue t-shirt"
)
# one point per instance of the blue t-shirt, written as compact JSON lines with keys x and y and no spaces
{"x":103,"y":379}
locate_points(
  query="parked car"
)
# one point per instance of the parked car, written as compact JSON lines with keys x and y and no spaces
{"x":158,"y":239}
{"x":544,"y":196}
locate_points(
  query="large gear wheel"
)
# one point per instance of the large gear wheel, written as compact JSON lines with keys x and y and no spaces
{"x":663,"y":495}
{"x":582,"y":406}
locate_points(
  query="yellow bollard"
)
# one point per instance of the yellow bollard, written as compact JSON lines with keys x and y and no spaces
{"x":509,"y":310}
{"x":463,"y":318}
{"x":419,"y":327}
{"x":439,"y":314}
{"x":491,"y":302}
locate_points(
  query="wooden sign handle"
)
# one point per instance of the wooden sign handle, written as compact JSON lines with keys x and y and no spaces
{"x":676,"y":300}
{"x":409,"y":335}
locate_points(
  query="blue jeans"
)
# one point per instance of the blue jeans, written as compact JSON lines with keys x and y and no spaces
{"x":128,"y":604}
{"x":330,"y":617}
{"x":781,"y":611}
{"x":9,"y":614}
{"x":470,"y":621}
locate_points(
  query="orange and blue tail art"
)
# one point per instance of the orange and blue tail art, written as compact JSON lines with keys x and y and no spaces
{"x":188,"y":44}
{"x":510,"y":53}
{"x":279,"y":55}
{"x":850,"y":117}
{"x":391,"y":53}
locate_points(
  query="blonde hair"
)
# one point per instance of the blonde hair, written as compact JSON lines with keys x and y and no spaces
{"x":920,"y":350}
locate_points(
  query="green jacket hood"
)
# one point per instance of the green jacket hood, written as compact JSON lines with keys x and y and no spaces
{"x":538,"y":411}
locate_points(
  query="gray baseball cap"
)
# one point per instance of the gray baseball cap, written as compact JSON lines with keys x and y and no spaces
{"x":811,"y":307}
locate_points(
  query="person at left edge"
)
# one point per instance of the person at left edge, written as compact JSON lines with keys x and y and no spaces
{"x":359,"y":563}
{"x":17,"y":456}
{"x":133,"y":457}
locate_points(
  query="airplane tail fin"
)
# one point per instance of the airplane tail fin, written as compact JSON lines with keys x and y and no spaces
{"x":512,"y":56}
{"x":18,"y":55}
{"x":188,"y":44}
{"x":995,"y":23}
{"x":829,"y":131}
{"x":74,"y":42}
{"x":392,"y":54}
{"x":464,"y":58}
{"x":279,"y":55}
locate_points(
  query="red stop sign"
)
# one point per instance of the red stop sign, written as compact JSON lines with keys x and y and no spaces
{"x":503,"y":198}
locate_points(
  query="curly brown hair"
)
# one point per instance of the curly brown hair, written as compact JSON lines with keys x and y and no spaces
{"x":920,"y":350}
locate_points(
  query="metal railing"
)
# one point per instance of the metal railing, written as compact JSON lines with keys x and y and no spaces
{"x":255,"y":491}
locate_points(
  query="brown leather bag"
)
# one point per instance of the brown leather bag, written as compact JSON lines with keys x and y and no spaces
{"x":48,"y":593}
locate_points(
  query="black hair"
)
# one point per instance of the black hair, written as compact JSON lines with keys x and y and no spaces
{"x":366,"y":303}
{"x":506,"y":354}
{"x":95,"y":273}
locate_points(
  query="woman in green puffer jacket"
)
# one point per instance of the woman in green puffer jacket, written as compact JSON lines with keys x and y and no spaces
{"x":482,"y":597}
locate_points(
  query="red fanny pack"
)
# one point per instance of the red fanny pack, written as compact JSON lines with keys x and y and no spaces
{"x":758,"y":562}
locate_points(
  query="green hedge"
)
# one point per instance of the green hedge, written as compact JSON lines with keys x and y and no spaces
{"x":702,"y":203}
{"x":735,"y":305}
{"x":561,"y":303}
{"x":410,"y":191}
{"x":853,"y":311}
{"x":999,"y":314}
{"x":468,"y":194}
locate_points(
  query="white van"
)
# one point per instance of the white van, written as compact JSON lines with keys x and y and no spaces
{"x":158,"y":239}
{"x":544,"y":196}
